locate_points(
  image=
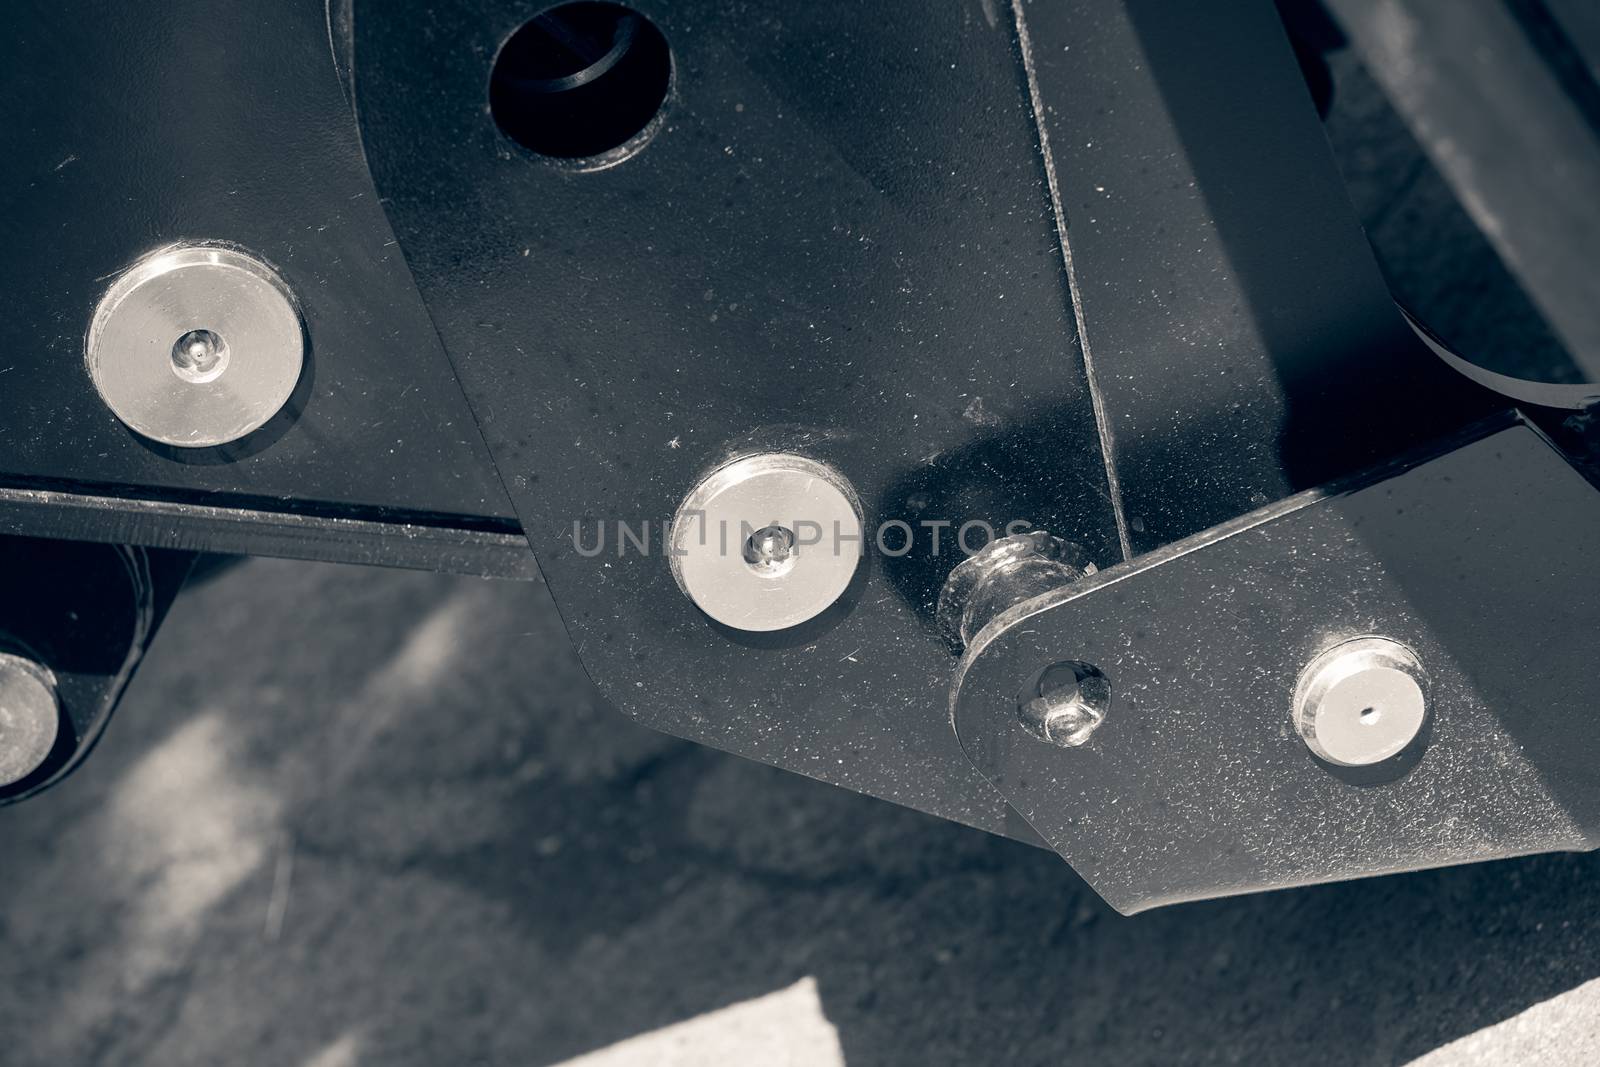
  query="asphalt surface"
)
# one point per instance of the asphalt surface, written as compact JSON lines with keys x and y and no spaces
{"x":352,"y":816}
{"x":382,"y":818}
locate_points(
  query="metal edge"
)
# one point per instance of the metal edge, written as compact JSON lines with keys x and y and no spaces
{"x":1012,"y":617}
{"x":247,"y":531}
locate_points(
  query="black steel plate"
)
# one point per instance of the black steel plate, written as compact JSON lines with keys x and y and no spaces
{"x":136,"y":124}
{"x":1243,"y":342}
{"x":841,"y":235}
{"x":87,"y":613}
{"x":1484,"y":560}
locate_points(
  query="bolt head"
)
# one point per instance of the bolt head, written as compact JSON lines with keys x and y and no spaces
{"x":768,"y":541}
{"x":30,"y":717}
{"x":1065,"y":703}
{"x":196,"y":345}
{"x":1361,"y":702}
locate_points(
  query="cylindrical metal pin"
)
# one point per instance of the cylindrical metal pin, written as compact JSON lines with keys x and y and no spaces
{"x":196,"y":345}
{"x":30,"y":717}
{"x":767,"y":542}
{"x":1361,"y":702}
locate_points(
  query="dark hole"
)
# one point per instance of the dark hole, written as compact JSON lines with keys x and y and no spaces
{"x":580,"y":80}
{"x":770,"y":550}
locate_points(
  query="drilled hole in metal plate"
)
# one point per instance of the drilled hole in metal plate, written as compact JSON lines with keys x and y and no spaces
{"x":581,"y":81}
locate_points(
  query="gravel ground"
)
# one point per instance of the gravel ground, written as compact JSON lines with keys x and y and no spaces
{"x":350,"y":816}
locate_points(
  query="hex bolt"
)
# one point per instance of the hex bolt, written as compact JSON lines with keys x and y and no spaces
{"x":1065,"y":703}
{"x":30,"y":717}
{"x":1361,"y":702}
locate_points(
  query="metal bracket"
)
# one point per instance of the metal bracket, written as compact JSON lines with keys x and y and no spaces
{"x":1482,"y":559}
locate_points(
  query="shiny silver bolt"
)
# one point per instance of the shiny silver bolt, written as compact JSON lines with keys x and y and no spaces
{"x":767,"y":541}
{"x":1065,"y":703}
{"x":1361,"y":702}
{"x":29,"y":717}
{"x":196,"y":345}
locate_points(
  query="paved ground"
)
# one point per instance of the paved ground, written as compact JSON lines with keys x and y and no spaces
{"x":362,"y":817}
{"x":353,"y":816}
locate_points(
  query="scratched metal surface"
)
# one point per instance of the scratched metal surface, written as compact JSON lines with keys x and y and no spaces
{"x":186,"y":121}
{"x":573,"y":881}
{"x":841,"y":237}
{"x":808,"y":251}
{"x":1196,"y":785}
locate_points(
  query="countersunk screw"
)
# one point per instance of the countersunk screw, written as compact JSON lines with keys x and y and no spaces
{"x":1065,"y":702}
{"x":30,"y":717}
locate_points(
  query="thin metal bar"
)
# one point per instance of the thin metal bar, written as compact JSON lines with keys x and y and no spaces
{"x":1107,"y":440}
{"x":1495,"y":121}
{"x":247,"y":531}
{"x":1239,"y":323}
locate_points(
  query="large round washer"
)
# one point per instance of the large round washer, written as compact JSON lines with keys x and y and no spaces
{"x":218,"y":306}
{"x":1361,"y":702}
{"x":768,"y":541}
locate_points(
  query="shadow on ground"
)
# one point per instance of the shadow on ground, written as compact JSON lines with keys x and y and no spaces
{"x":354,"y":816}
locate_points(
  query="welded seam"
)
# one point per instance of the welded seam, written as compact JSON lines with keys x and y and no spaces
{"x":1036,"y":103}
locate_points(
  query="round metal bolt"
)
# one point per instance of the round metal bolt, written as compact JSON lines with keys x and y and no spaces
{"x":768,"y":541}
{"x":196,"y":345}
{"x":29,"y":717}
{"x":1361,"y":702}
{"x":1065,"y":703}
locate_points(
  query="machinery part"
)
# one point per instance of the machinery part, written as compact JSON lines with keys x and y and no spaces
{"x":119,"y":158}
{"x":1361,"y":702}
{"x":196,"y":345}
{"x":1006,"y":571}
{"x":1576,"y":396}
{"x":376,"y":539}
{"x":889,"y":292}
{"x":1065,"y":703}
{"x":1197,"y":784}
{"x":1231,"y":312}
{"x":30,"y":717}
{"x":1500,"y":127}
{"x":767,"y":542}
{"x":1128,"y":303}
{"x":799,"y":295}
{"x":75,"y":620}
